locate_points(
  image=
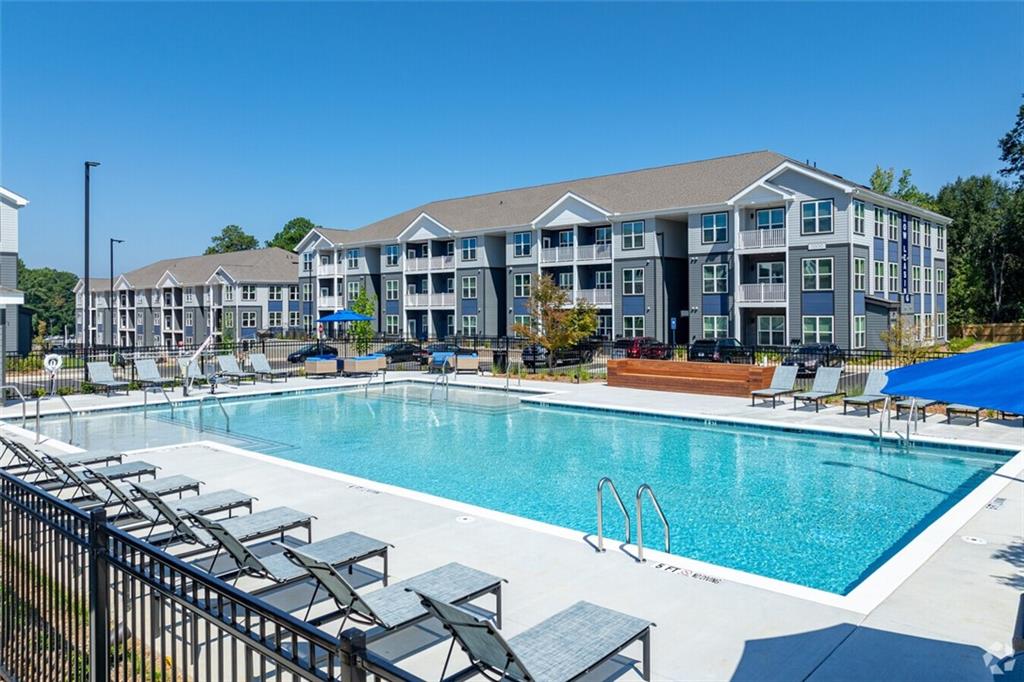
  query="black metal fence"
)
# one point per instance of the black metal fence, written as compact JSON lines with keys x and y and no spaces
{"x":82,"y":600}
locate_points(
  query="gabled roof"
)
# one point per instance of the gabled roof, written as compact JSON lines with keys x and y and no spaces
{"x":257,"y":265}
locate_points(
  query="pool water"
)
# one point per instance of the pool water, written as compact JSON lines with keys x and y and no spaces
{"x":820,"y":511}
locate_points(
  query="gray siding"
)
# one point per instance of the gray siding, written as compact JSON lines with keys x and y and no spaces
{"x":696,"y":293}
{"x":9,"y":278}
{"x":841,"y":284}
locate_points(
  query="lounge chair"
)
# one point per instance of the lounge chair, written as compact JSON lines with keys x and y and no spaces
{"x":441,"y":362}
{"x":148,"y":375}
{"x":825,"y":386}
{"x":967,"y":410}
{"x":345,"y":549}
{"x":393,"y":607}
{"x":872,"y":394}
{"x":261,"y":366}
{"x":189,"y":370}
{"x":366,"y":364}
{"x":919,"y":404}
{"x":229,"y":369}
{"x":102,"y":374}
{"x":467,"y":363}
{"x":20,"y":462}
{"x":207,"y":503}
{"x":61,"y":475}
{"x":320,"y":366}
{"x":783,"y":383}
{"x":566,"y":646}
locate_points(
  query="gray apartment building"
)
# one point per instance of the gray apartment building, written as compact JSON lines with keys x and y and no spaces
{"x":16,"y":331}
{"x":179,"y":301}
{"x":757,"y":246}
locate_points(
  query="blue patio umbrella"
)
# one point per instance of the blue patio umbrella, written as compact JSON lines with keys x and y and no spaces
{"x":345,"y":316}
{"x":985,"y":378}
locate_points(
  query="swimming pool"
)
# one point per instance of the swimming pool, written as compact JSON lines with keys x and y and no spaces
{"x":816,"y":510}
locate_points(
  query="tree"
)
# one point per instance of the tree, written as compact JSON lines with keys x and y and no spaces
{"x":884,"y":181}
{"x":1011,"y":148}
{"x":232,"y":238}
{"x":362,"y":331}
{"x":903,"y":341}
{"x":292,"y":233}
{"x":49,"y":294}
{"x":554,"y":324}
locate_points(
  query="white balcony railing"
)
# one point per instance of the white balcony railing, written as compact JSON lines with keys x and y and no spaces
{"x":600,"y":297}
{"x":558,"y":254}
{"x":442,"y":262}
{"x":594,"y":252}
{"x":417,"y":264}
{"x":774,"y":238}
{"x":417,"y":300}
{"x":446,"y":300}
{"x":762,"y":293}
{"x":325,"y":269}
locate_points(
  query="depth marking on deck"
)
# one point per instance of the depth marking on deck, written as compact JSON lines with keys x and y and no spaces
{"x":363,"y":489}
{"x":686,"y":573}
{"x":996,"y":503}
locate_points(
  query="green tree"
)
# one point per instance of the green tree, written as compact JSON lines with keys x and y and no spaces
{"x":232,"y":238}
{"x":554,"y":324}
{"x":49,"y":295}
{"x":292,"y":233}
{"x":362,"y":332}
{"x":884,"y":181}
{"x":1011,"y":147}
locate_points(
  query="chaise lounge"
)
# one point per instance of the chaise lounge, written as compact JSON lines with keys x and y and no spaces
{"x":148,"y":375}
{"x":102,"y":374}
{"x":261,"y":366}
{"x":967,"y":410}
{"x":783,"y":383}
{"x":825,"y":386}
{"x":872,"y":394}
{"x":229,"y":369}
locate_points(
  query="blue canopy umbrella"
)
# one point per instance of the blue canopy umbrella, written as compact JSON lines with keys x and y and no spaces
{"x":985,"y":378}
{"x":345,"y":316}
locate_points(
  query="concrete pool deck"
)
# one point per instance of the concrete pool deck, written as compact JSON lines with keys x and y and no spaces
{"x":937,"y":624}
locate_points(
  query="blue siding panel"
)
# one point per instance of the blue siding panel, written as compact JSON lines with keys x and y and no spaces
{"x":633,"y":305}
{"x":928,"y":257}
{"x":521,"y":306}
{"x":391,"y":307}
{"x":275,"y":306}
{"x":858,"y":303}
{"x":927,"y":304}
{"x":894,"y":252}
{"x":916,"y":299}
{"x":817,"y":303}
{"x":293,"y":305}
{"x":879,"y":249}
{"x":188,"y":330}
{"x":248,"y":333}
{"x":470,"y":306}
{"x":940,"y":303}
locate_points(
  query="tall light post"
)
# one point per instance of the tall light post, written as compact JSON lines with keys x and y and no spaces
{"x":89,"y":165}
{"x":114,"y":318}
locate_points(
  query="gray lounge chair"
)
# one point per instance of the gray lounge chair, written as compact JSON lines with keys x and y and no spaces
{"x":148,"y":375}
{"x":825,"y":386}
{"x":189,"y":370}
{"x":345,"y":549}
{"x":783,"y":382}
{"x":872,"y":394}
{"x":919,"y":404}
{"x":564,"y":647}
{"x":967,"y":410}
{"x":393,"y":607}
{"x":229,"y":369}
{"x":207,"y":503}
{"x":102,"y":374}
{"x":261,"y":366}
{"x":20,"y":462}
{"x":64,"y":476}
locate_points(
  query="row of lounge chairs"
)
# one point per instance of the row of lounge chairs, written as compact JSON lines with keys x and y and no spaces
{"x":564,"y":646}
{"x":101,"y":374}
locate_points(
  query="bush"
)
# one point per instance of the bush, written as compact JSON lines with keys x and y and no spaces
{"x":960,"y":345}
{"x":88,"y":388}
{"x":38,"y":392}
{"x":65,"y":390}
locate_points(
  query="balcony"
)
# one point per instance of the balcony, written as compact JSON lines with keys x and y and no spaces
{"x":598,"y":297}
{"x":417,"y":300}
{"x":762,"y":293}
{"x":558,"y":254}
{"x":417,"y":264}
{"x":442,"y":262}
{"x":446,"y":300}
{"x":323,"y":269}
{"x":774,"y":238}
{"x":594,"y":252}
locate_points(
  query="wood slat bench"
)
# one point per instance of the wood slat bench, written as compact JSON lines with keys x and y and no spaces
{"x":707,"y":378}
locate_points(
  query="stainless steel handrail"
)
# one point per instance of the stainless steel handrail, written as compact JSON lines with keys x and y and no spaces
{"x":145,"y":401}
{"x":444,"y":376}
{"x":24,"y":408}
{"x":640,"y":520}
{"x":383,"y":382}
{"x":227,"y":419}
{"x":71,"y":419}
{"x":600,"y":511}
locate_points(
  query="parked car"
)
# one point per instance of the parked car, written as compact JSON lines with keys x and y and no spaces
{"x":311,"y":350}
{"x":646,"y":347}
{"x":400,"y":352}
{"x":536,"y":355}
{"x":719,"y":350}
{"x":423,"y":354}
{"x":809,"y":357}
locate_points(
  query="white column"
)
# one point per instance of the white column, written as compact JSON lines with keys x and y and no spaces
{"x":734,"y":234}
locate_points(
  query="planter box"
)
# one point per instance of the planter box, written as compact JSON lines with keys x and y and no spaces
{"x":706,"y":378}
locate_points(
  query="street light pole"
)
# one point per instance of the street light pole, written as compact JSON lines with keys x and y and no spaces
{"x":87,"y":305}
{"x":114,"y":318}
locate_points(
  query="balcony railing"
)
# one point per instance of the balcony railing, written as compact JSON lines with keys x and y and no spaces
{"x":417,"y":264}
{"x":442,"y":262}
{"x":558,"y":254}
{"x":446,"y":300}
{"x":601,"y":297}
{"x":762,"y":293}
{"x":325,"y":269}
{"x":774,"y":238}
{"x":417,"y":300}
{"x":594,"y":252}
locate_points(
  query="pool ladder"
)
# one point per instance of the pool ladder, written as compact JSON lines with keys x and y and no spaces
{"x":442,"y":378}
{"x":644,"y":488}
{"x":227,"y":419}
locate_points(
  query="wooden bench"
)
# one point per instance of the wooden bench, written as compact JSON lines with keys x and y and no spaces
{"x":707,"y":378}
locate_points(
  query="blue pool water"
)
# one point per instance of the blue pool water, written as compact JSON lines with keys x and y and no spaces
{"x":815,"y":510}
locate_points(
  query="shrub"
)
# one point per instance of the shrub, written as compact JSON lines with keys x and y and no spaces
{"x":960,"y":345}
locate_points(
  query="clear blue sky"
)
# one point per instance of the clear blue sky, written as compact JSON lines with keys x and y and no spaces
{"x":209,"y":114}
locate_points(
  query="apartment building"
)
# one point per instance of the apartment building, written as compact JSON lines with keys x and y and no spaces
{"x":17,"y":333}
{"x":757,"y":246}
{"x":181,"y":301}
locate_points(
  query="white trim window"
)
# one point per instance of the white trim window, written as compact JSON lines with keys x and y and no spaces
{"x":190,"y":294}
{"x":293,"y":292}
{"x":940,"y":237}
{"x":816,"y":217}
{"x":189,"y":318}
{"x":469,"y":248}
{"x":632,"y":281}
{"x":817,"y":274}
{"x":860,"y":274}
{"x":894,"y":278}
{"x":915,"y":279}
{"x":894,"y":226}
{"x":521,"y":320}
{"x":915,"y":231}
{"x":469,"y":286}
{"x":714,"y":228}
{"x":391,"y":325}
{"x":929,"y":329}
{"x":879,"y":284}
{"x":274,"y":318}
{"x":391,"y":289}
{"x":521,"y":284}
{"x":294,"y":318}
{"x":917,"y":327}
{"x":469,"y":327}
{"x":817,"y":328}
{"x":604,"y":326}
{"x":858,"y":217}
{"x":603,"y":279}
{"x":565,"y":280}
{"x":354,"y":289}
{"x":880,"y":222}
{"x":248,"y":319}
{"x":392,"y":252}
{"x":632,"y":326}
{"x":771,"y":272}
{"x":227,"y":320}
{"x":352,"y":259}
{"x":927,"y":229}
{"x":307,"y":292}
{"x":603,"y":235}
{"x":927,"y":280}
{"x":521,"y":244}
{"x":860,"y":331}
{"x":633,"y":235}
{"x":715,"y":278}
{"x":307,"y":261}
{"x":771,"y":330}
{"x":715,"y":326}
{"x":307,"y":322}
{"x":229,"y":293}
{"x":940,"y":325}
{"x":770,"y":218}
{"x":325,"y":292}
{"x":274,"y":292}
{"x":248,"y":292}
{"x":940,"y":281}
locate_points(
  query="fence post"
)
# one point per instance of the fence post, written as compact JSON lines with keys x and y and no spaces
{"x":353,"y":646}
{"x":99,"y":627}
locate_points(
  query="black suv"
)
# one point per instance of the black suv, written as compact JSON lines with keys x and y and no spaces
{"x":719,"y":350}
{"x":536,"y":355}
{"x":422,"y":355}
{"x":312,"y":350}
{"x":809,"y":357}
{"x":401,"y":351}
